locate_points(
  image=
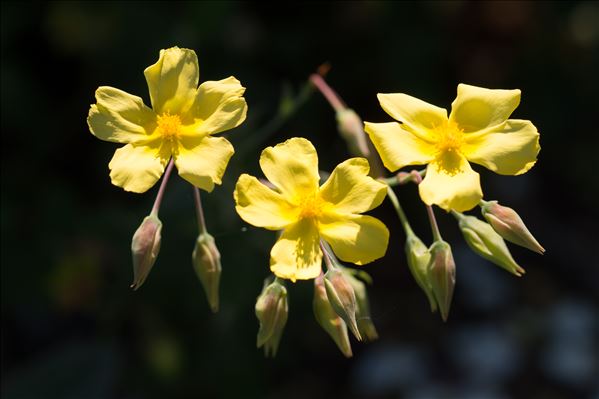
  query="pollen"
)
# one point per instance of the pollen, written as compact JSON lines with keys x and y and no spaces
{"x":169,"y":126}
{"x":311,"y":207}
{"x":450,"y":137}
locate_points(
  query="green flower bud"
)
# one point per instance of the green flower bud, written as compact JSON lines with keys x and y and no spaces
{"x":272,"y":311}
{"x":365,"y":324}
{"x":418,"y":259}
{"x":441,"y":272}
{"x":206,"y":263}
{"x":351,"y":128}
{"x":508,"y":224}
{"x":343,"y":299}
{"x":145,"y":246}
{"x":483,"y":240}
{"x":328,"y":319}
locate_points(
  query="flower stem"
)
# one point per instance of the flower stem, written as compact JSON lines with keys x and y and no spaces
{"x":402,"y":216}
{"x":199,"y":210}
{"x":327,"y":256}
{"x":326,"y":90}
{"x":417,"y":177}
{"x":162,"y":188}
{"x":402,"y":178}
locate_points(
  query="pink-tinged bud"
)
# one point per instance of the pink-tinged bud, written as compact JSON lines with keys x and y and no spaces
{"x":144,"y":248}
{"x":206,"y":263}
{"x":343,"y":298}
{"x":483,"y":240}
{"x":508,"y":224}
{"x":328,"y":319}
{"x":351,"y":128}
{"x":365,"y":324}
{"x":418,"y":259}
{"x":441,"y":273}
{"x":272,"y":311}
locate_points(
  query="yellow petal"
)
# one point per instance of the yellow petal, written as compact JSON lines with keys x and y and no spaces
{"x":357,"y":239}
{"x":292,"y":167}
{"x":120,"y":117}
{"x":137,"y":168}
{"x":260,"y":206}
{"x":173,"y":80}
{"x":398,"y":147}
{"x":297,"y":255}
{"x":451,"y":183}
{"x":477,"y":108}
{"x":511,"y":150}
{"x":219,"y":105}
{"x":418,"y":116}
{"x":351,"y":190}
{"x":202,"y":160}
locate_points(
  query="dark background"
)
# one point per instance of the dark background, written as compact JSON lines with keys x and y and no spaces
{"x":71,"y":327}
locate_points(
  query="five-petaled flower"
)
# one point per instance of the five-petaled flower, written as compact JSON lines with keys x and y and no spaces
{"x":179,"y":125}
{"x":477,"y":130}
{"x":308,"y":213}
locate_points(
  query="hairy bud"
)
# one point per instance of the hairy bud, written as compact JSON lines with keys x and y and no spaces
{"x":508,"y":224}
{"x":483,"y":240}
{"x":441,"y":272}
{"x":206,"y":263}
{"x":351,"y":128}
{"x":343,"y":298}
{"x":272,"y":311}
{"x":328,"y":319}
{"x":365,"y":325}
{"x":418,"y":259}
{"x":145,"y":246}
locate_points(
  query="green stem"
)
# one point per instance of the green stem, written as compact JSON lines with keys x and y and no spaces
{"x":402,"y":216}
{"x":160,"y":195}
{"x":199,"y":210}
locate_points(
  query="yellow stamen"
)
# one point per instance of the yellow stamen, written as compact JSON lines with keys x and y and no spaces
{"x":450,"y":138}
{"x":311,"y":207}
{"x":169,"y":126}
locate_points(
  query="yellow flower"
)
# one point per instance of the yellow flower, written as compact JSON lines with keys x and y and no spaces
{"x":307,"y":213}
{"x":477,"y":130}
{"x":179,"y":125}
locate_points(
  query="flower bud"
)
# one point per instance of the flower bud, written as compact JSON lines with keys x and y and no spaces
{"x":328,"y":319}
{"x":144,"y":248}
{"x":441,"y":272}
{"x":206,"y":263}
{"x":272,"y":311}
{"x":351,"y":128}
{"x":418,"y":259}
{"x":483,"y":240}
{"x":508,"y":224}
{"x":365,"y":324}
{"x":343,"y":299}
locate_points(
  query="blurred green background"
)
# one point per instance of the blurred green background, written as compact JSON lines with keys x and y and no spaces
{"x":72,"y":328}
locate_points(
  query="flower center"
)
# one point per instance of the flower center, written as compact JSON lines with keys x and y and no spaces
{"x":449,"y":137}
{"x":169,"y":126}
{"x":311,"y":207}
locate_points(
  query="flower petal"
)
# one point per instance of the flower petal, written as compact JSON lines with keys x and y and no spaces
{"x":120,"y":117}
{"x":477,"y":108}
{"x":451,"y":183}
{"x":511,"y":150}
{"x":173,"y":80}
{"x":351,"y":190}
{"x":292,"y":166}
{"x":357,"y":239}
{"x":137,"y":168}
{"x":398,"y":147}
{"x":261,"y":206}
{"x":220,"y":105}
{"x":418,"y":115}
{"x":202,"y":160}
{"x":297,"y":255}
